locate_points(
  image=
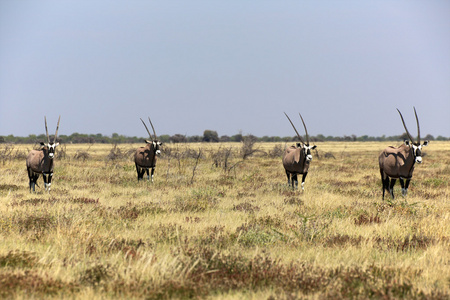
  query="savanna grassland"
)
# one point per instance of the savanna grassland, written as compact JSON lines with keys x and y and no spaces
{"x":215,"y":225}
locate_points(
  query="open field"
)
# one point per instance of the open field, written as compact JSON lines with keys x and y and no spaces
{"x":217,"y":226}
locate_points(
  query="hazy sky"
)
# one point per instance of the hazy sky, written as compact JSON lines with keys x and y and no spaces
{"x":224,"y":65}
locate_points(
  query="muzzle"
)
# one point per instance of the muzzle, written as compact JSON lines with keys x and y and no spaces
{"x":419,"y":159}
{"x":309,"y":157}
{"x":158,"y":152}
{"x":50,"y":155}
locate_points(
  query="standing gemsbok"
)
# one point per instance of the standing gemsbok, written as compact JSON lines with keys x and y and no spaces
{"x":398,"y":162}
{"x":296,"y":158}
{"x":145,"y":157}
{"x":41,"y":161}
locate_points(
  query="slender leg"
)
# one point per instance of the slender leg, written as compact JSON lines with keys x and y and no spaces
{"x":148,"y":174}
{"x":289,"y":178}
{"x":34,"y":179}
{"x":153,"y":170}
{"x":402,"y":183}
{"x":407,"y":185}
{"x":294,"y":181}
{"x":140,"y":172}
{"x":386,"y":184}
{"x":303,"y":180}
{"x":391,"y":187}
{"x":137,"y":171}
{"x":49,"y":181}
{"x":45,"y":180}
{"x":30,"y":176}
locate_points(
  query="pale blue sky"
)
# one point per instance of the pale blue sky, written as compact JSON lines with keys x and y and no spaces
{"x":224,"y":65}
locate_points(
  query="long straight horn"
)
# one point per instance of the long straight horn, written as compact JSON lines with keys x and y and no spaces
{"x":407,"y":132}
{"x":154,"y":133}
{"x":418,"y":127}
{"x":149,"y":134}
{"x":299,"y":136}
{"x":307,"y":136}
{"x":46,"y":130}
{"x":57,"y":127}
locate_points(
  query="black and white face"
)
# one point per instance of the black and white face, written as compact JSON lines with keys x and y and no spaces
{"x":156,"y":146}
{"x":51,"y":147}
{"x":417,"y":150}
{"x":307,"y":150}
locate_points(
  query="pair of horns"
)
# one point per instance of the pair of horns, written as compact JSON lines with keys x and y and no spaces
{"x":306,"y":131}
{"x":149,"y":130}
{"x":418,"y":127}
{"x":46,"y":130}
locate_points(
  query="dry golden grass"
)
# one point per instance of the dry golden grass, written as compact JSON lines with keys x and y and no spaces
{"x":224,"y":230}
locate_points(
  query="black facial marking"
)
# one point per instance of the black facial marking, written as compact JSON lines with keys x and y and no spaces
{"x":418,"y":152}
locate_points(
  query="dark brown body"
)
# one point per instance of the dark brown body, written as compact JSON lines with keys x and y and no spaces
{"x":38,"y":162}
{"x":397,"y":162}
{"x":145,"y":156}
{"x":294,"y":161}
{"x":41,"y":161}
{"x":145,"y":159}
{"x":296,"y":158}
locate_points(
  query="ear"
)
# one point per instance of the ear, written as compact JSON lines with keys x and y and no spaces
{"x":57,"y":144}
{"x":160,"y":143}
{"x":313,"y":147}
{"x":147,"y":141}
{"x":407,"y":143}
{"x":42,"y":145}
{"x":425,"y":143}
{"x":299,"y":145}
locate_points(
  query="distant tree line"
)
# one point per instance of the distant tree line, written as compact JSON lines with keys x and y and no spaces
{"x":209,"y":136}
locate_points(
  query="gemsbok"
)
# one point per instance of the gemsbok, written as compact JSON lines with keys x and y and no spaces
{"x":145,"y":157}
{"x":297,"y":157}
{"x":41,"y":161}
{"x":398,"y":162}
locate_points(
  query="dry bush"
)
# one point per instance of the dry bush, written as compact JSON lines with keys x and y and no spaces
{"x":116,"y":153}
{"x":364,"y":219}
{"x":276,"y":151}
{"x":221,"y":157}
{"x":62,"y":152}
{"x":96,"y":274}
{"x":8,"y":153}
{"x":246,"y":207}
{"x":82,"y":155}
{"x":329,"y":155}
{"x":31,"y":284}
{"x":18,"y":259}
{"x":248,"y":144}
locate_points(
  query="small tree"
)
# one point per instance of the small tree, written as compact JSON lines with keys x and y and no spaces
{"x":224,"y":139}
{"x":237,"y":137}
{"x":178,"y":138}
{"x":404,"y":136}
{"x":210,"y":136}
{"x":248,"y":143}
{"x":429,"y":137}
{"x":194,"y":139}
